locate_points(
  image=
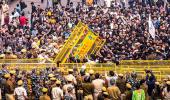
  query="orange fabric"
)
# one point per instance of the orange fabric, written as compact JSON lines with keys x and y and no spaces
{"x":89,"y":2}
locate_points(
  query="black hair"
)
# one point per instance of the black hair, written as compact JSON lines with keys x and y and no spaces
{"x":137,"y":86}
{"x":168,"y":88}
{"x":111,"y":73}
{"x":12,"y":13}
{"x":22,"y":14}
{"x":87,"y":79}
{"x":97,"y":75}
{"x":4,"y":65}
{"x":142,"y":81}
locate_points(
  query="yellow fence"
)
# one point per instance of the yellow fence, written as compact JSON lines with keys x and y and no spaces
{"x":101,"y":67}
{"x":161,"y":68}
{"x":36,"y":60}
{"x":28,"y":66}
{"x":71,"y":42}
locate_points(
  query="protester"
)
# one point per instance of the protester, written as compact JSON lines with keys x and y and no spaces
{"x":166,"y":91}
{"x":98,"y":84}
{"x":57,"y":93}
{"x":20,"y":92}
{"x":125,"y":29}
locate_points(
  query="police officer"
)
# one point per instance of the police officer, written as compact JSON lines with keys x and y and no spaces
{"x":44,"y":96}
{"x":9,"y":88}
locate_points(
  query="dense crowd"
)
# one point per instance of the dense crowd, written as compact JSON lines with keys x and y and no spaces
{"x":124,"y":26}
{"x":58,"y":84}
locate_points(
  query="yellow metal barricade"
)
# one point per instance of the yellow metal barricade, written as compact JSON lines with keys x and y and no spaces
{"x":28,"y":66}
{"x":160,"y":68}
{"x":97,"y":67}
{"x":36,"y":60}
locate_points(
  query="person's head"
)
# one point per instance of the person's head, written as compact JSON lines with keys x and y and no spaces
{"x":20,"y":83}
{"x":4,"y":66}
{"x":70,"y":89}
{"x":23,"y":14}
{"x":137,"y":86}
{"x":168,"y":86}
{"x":44,"y":90}
{"x":97,"y":75}
{"x":70,"y":71}
{"x":12,"y":72}
{"x":87,"y":79}
{"x":120,"y":76}
{"x":7,"y":76}
{"x":32,"y":3}
{"x":134,"y":75}
{"x":128,"y":86}
{"x":91,"y":72}
{"x":142,"y":81}
{"x":58,"y":82}
{"x":12,"y":13}
{"x":111,"y":73}
{"x":3,"y":2}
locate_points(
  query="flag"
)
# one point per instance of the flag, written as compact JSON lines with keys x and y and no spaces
{"x":151,"y":27}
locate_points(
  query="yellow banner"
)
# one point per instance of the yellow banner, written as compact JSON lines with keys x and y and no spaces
{"x":86,"y":44}
{"x":71,"y":42}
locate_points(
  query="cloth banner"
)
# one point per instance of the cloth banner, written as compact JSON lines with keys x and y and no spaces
{"x":151,"y":28}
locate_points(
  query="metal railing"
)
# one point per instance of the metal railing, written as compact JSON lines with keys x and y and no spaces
{"x":28,"y":66}
{"x":161,"y":68}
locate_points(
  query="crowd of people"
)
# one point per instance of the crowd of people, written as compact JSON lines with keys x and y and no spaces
{"x":42,"y":33}
{"x":58,"y":84}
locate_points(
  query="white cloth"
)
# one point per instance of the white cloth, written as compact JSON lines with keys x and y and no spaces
{"x":108,"y":3}
{"x":151,"y":28}
{"x":49,"y":3}
{"x":20,"y":92}
{"x":5,"y":10}
{"x":57,"y":93}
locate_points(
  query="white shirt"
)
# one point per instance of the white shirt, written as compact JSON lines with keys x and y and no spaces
{"x":98,"y":84}
{"x":108,"y":2}
{"x":72,"y":78}
{"x":65,"y":87}
{"x":20,"y":92}
{"x":0,"y":95}
{"x":109,"y":78}
{"x":16,"y":14}
{"x":57,"y":93}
